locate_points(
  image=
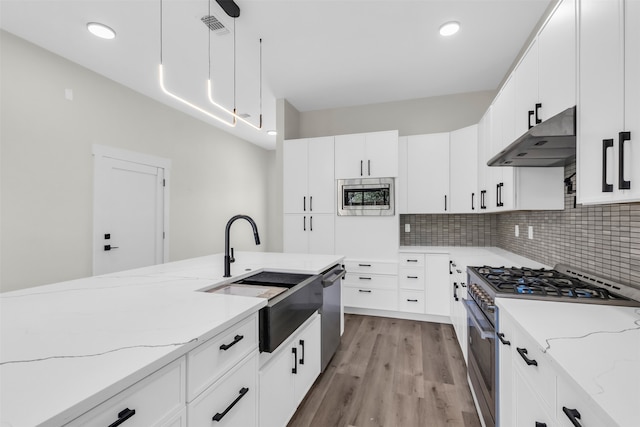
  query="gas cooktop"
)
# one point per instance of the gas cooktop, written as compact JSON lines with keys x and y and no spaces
{"x":563,"y":283}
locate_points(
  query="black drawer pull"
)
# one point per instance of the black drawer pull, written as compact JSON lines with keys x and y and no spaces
{"x":302,"y":347}
{"x":523,"y":354}
{"x":530,"y":114}
{"x":364,"y":265}
{"x":219,"y":416}
{"x":294,"y":370}
{"x":573,"y":416}
{"x":123,"y":416}
{"x":412,"y":260}
{"x":365,"y":291}
{"x":539,"y":424}
{"x":364,"y":278}
{"x":412,"y":300}
{"x":622,"y":184}
{"x":538,"y":119}
{"x":412,"y":277}
{"x":502,"y":340}
{"x":235,"y":341}
{"x":606,"y":187}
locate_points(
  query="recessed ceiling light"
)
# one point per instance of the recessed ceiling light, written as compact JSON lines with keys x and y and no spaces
{"x":101,"y":30}
{"x":449,"y":28}
{"x":272,"y":132}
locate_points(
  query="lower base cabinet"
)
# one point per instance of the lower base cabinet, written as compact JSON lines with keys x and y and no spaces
{"x":231,"y":401}
{"x":288,"y":375}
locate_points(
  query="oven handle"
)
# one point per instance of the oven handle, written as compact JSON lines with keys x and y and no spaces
{"x":485,"y":328}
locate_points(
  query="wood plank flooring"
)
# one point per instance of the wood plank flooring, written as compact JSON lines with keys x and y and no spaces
{"x":391,"y":373}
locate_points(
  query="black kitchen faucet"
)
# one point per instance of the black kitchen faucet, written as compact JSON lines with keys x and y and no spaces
{"x":228,"y":253}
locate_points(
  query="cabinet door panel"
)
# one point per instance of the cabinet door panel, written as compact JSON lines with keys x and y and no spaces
{"x":525,"y":91}
{"x":381,"y":154}
{"x":321,"y":231}
{"x":294,"y":175}
{"x":321,"y":187}
{"x":349,"y":156}
{"x":295,"y":238}
{"x":308,"y":345}
{"x":437,"y":284}
{"x":557,"y":61}
{"x":529,"y":410}
{"x":463,"y":168}
{"x":428,"y":173}
{"x":276,"y":391}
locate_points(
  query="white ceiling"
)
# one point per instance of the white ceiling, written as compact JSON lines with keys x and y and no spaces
{"x":316,"y":53}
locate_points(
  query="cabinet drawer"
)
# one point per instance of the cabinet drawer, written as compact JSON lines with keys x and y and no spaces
{"x":411,"y":278}
{"x":411,"y":260}
{"x":232,"y":401}
{"x":371,"y":267}
{"x":411,"y":301}
{"x":153,"y":401}
{"x":575,"y":399}
{"x":380,"y":299}
{"x":213,"y":358}
{"x":374,"y":281}
{"x":539,"y":372}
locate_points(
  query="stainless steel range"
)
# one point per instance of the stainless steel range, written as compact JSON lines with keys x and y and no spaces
{"x":485,"y":284}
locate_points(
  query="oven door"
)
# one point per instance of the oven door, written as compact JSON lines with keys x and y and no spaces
{"x":482,"y":361}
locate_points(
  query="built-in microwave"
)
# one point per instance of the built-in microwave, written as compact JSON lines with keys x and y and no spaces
{"x":366,"y":196}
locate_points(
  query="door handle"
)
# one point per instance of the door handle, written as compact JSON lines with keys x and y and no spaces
{"x":473,"y":195}
{"x":310,"y":223}
{"x":294,"y":370}
{"x":606,"y":143}
{"x":503,"y":340}
{"x":302,"y":348}
{"x":529,"y":119}
{"x":304,"y":204}
{"x":109,"y":247}
{"x":622,"y":137}
{"x":304,"y":223}
{"x":538,"y":119}
{"x":310,"y":203}
{"x":445,"y":202}
{"x":523,"y":353}
{"x":369,"y":167}
{"x":573,"y":416}
{"x":361,"y":164}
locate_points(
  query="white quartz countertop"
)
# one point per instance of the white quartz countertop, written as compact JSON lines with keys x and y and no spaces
{"x":598,"y":346}
{"x":472,"y":255}
{"x":66,"y":347}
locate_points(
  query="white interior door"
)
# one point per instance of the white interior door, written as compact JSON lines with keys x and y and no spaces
{"x":129,"y":215}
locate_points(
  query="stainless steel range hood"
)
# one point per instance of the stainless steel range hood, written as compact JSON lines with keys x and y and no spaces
{"x":551,"y":143}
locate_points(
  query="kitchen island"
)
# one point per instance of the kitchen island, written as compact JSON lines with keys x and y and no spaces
{"x":67,"y":347}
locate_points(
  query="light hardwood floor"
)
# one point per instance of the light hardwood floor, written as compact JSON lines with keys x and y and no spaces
{"x":391,"y":373}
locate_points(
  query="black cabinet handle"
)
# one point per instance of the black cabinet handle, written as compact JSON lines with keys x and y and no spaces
{"x":235,"y":341}
{"x":482,"y":201}
{"x":369,"y":167}
{"x":450,"y":265}
{"x":502,"y":340}
{"x":294,"y":370}
{"x":622,"y":137}
{"x":412,"y":260}
{"x":500,"y":187}
{"x":364,"y":278}
{"x":412,"y":277}
{"x":301,"y":342}
{"x":455,"y":291}
{"x":538,"y":119}
{"x":573,"y":416}
{"x":497,"y":195}
{"x":109,"y":247}
{"x":539,"y":424}
{"x":310,"y":203}
{"x":311,"y":223}
{"x":219,"y":416}
{"x":606,"y":143}
{"x":445,"y":202}
{"x":361,"y":163}
{"x":364,"y":265}
{"x":530,"y":114}
{"x":304,"y":223}
{"x":473,"y":195}
{"x":523,"y":354}
{"x":123,"y":416}
{"x":364,"y":291}
{"x":412,"y":300}
{"x":304,"y":204}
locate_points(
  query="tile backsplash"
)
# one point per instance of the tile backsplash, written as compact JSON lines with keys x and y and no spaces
{"x":603,"y":239}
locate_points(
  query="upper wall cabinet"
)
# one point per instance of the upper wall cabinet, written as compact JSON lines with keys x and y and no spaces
{"x":366,"y":155}
{"x":308,"y":180}
{"x":463,"y":166}
{"x":428,"y":173}
{"x":608,"y":101}
{"x":545,"y":78}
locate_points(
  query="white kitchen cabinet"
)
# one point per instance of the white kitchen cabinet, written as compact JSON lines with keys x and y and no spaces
{"x":485,"y":189}
{"x":525,"y":78}
{"x":608,"y":156}
{"x":403,"y":176}
{"x":504,"y":332}
{"x":309,"y":233}
{"x":288,"y":374}
{"x":457,"y":294}
{"x":529,"y":410}
{"x":370,"y":284}
{"x":411,"y":280}
{"x":428,"y":173}
{"x":463,"y":167}
{"x":366,"y":155}
{"x":573,"y":403}
{"x":308,"y":175}
{"x":437,"y":284}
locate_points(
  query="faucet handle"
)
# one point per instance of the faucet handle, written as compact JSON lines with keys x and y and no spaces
{"x":232,"y":259}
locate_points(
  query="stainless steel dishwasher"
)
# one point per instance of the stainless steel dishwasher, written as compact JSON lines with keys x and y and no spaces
{"x":330,"y":312}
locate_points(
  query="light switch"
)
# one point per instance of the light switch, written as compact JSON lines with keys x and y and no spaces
{"x":531,"y":232}
{"x":517,"y":230}
{"x":407,"y":228}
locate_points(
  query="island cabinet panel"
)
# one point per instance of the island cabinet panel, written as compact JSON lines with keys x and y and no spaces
{"x":230,"y":402}
{"x":154,"y":401}
{"x":288,"y":374}
{"x":212,"y":359}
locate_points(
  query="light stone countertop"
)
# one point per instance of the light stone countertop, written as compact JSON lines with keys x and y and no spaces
{"x":66,"y":347}
{"x":598,"y":346}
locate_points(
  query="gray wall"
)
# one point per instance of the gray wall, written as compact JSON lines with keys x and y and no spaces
{"x":47,"y":167}
{"x":413,"y":117}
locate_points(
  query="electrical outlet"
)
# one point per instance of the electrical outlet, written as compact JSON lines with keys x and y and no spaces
{"x":407,"y":228}
{"x":531,"y":232}
{"x":517,"y":230}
